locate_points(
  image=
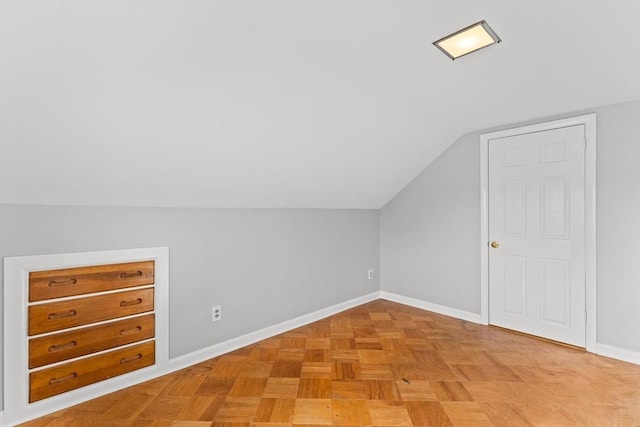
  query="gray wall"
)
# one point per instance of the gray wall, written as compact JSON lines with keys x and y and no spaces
{"x":269,"y":265}
{"x":430,"y":232}
{"x":618,"y":222}
{"x":264,"y":266}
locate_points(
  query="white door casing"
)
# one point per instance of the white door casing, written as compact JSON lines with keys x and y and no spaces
{"x":538,"y":204}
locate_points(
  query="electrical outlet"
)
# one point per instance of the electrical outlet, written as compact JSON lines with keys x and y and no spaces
{"x":370,"y":275}
{"x":216,"y":313}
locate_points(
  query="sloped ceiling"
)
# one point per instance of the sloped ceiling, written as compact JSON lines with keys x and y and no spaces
{"x":318,"y":104}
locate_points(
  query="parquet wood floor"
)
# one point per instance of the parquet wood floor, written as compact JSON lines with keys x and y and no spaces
{"x":380,"y":364}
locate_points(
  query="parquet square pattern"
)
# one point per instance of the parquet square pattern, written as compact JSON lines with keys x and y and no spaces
{"x":380,"y":364}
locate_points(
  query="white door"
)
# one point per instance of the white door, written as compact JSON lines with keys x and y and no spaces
{"x":537,"y":233}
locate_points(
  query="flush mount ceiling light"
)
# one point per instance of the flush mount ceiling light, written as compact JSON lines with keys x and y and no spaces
{"x":467,"y":40}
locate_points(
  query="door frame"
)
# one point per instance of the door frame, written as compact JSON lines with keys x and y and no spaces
{"x":589,"y":122}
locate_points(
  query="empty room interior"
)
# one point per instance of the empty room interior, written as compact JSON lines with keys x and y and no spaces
{"x":305,"y":212}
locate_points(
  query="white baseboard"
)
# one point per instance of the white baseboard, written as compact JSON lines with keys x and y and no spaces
{"x":180,"y":362}
{"x":613,"y":352}
{"x":198,"y":356}
{"x":440,"y":309}
{"x":618,"y":353}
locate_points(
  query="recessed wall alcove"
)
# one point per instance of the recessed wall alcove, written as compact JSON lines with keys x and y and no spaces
{"x":17,"y":406}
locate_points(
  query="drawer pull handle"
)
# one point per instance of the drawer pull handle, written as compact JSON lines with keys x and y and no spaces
{"x":53,"y":283}
{"x":130,"y":275}
{"x":55,"y":316}
{"x":131,"y":330}
{"x":131,"y":359}
{"x":66,"y":346}
{"x":132,"y":302}
{"x":71,"y":376}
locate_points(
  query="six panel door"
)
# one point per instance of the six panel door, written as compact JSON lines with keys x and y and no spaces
{"x":537,"y":234}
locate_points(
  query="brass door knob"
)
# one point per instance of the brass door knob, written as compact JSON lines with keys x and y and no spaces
{"x":495,"y":244}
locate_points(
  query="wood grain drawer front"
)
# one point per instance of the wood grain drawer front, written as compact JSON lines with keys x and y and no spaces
{"x":54,"y":316}
{"x":67,"y":345}
{"x":59,"y":379}
{"x":50,"y":284}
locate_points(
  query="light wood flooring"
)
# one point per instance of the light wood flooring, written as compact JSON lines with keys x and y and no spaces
{"x":380,"y":364}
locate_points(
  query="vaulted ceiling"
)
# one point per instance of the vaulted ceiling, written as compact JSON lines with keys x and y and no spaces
{"x":319,"y":104}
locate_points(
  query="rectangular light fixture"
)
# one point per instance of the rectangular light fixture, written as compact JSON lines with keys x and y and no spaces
{"x":467,"y":40}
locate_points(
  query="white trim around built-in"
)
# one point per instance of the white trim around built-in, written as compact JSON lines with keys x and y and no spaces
{"x":16,"y":407}
{"x":589,"y":122}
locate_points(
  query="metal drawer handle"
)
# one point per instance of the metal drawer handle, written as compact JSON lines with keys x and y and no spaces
{"x":53,"y":283}
{"x":133,"y":302}
{"x":66,"y":346}
{"x":130,"y":275}
{"x":71,"y":376}
{"x":131,"y":330}
{"x":55,"y":316}
{"x":131,"y":359}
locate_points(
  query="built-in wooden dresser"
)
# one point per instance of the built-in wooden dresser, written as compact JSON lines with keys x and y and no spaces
{"x":88,"y":324}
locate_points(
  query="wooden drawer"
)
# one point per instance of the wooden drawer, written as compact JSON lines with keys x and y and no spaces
{"x":51,"y":284}
{"x":66,"y":345}
{"x":54,"y":316}
{"x":59,"y":379}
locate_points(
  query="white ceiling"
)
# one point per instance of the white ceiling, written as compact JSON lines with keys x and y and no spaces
{"x":320,"y":104}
